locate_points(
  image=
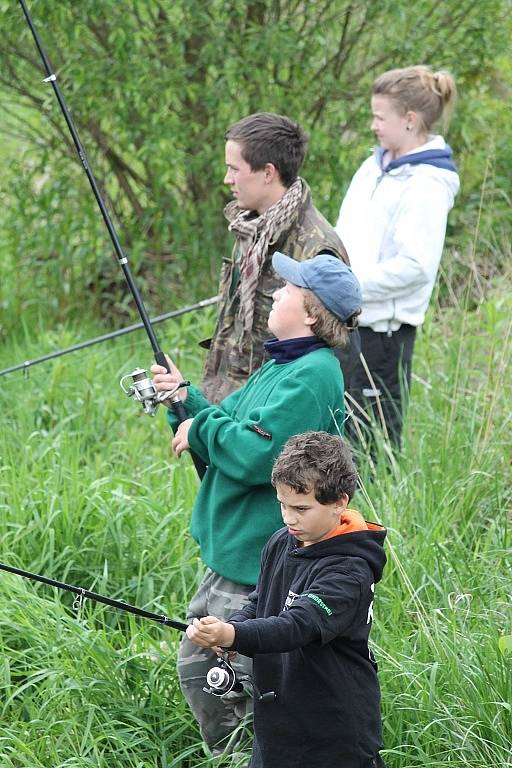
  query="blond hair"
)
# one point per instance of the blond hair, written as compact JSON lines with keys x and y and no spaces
{"x":327,"y":326}
{"x":418,"y":89}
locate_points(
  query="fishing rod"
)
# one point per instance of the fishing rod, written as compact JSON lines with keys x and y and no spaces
{"x":142,"y":388}
{"x":82,"y":594}
{"x":107,"y":336}
{"x":220,"y":679}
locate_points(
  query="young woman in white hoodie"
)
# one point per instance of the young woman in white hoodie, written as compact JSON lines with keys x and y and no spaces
{"x":393,"y":223}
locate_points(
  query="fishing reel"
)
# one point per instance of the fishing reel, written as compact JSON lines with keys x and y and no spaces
{"x":222,"y":680}
{"x":143,"y":390}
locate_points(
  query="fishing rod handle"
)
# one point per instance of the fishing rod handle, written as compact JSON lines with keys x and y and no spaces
{"x":181,"y":414}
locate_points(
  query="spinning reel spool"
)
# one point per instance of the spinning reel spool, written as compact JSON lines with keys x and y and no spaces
{"x":222,"y":679}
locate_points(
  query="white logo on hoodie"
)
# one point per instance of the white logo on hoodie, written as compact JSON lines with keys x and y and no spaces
{"x":289,"y":600}
{"x":370,"y":607}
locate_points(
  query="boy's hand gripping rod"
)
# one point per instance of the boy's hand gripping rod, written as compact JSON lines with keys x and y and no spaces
{"x":146,"y":392}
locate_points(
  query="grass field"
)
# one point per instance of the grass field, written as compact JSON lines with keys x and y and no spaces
{"x":89,"y":495}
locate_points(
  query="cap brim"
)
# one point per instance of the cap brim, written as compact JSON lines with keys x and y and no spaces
{"x":288,"y":269}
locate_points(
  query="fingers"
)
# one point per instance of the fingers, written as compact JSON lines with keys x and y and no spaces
{"x":192,"y":634}
{"x":209,"y":620}
{"x":160,"y":369}
{"x":165,"y":380}
{"x":155,"y":368}
{"x":207,"y":626}
{"x":204,"y":631}
{"x":180,"y":441}
{"x":161,"y":376}
{"x":179,"y":445}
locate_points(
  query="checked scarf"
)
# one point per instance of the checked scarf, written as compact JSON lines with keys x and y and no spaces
{"x":255,"y":236}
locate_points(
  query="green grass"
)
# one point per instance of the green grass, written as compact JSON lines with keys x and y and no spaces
{"x":90,"y":495}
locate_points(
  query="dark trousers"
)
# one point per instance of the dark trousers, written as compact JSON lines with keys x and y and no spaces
{"x":388,"y":357}
{"x":349,"y":355}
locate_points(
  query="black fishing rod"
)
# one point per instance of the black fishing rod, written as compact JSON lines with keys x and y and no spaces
{"x":220,"y":679}
{"x":148,"y":392}
{"x":108,"y":336}
{"x":85,"y":593}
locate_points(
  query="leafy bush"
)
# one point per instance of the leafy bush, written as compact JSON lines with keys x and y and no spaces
{"x":152,"y":87}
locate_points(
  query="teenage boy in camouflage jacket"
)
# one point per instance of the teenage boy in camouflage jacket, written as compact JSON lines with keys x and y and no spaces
{"x":272,"y":211}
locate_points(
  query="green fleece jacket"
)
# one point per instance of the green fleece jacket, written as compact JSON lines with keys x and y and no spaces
{"x":236,"y":510}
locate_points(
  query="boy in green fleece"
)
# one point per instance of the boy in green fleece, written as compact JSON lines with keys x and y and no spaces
{"x":299,"y":389}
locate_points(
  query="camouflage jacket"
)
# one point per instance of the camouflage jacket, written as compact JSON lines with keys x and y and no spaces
{"x":227,"y":366}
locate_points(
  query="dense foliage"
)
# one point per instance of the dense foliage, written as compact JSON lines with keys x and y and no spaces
{"x":152,"y":86}
{"x":89,"y":495}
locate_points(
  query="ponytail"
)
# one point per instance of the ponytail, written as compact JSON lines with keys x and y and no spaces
{"x":430,"y":94}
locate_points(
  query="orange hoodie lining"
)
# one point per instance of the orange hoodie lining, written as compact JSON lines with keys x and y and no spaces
{"x":350,"y":521}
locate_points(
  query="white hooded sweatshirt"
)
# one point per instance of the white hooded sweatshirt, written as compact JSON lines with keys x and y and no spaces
{"x":393,"y":223}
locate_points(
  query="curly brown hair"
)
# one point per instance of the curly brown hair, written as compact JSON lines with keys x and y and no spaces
{"x":316,"y":461}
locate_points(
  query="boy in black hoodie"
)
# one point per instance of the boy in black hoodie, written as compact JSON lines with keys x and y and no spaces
{"x":308,"y":621}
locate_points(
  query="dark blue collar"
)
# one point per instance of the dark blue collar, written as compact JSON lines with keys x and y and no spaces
{"x":440,"y":158}
{"x":290,"y":349}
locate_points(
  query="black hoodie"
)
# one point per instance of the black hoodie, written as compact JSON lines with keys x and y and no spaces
{"x":307,"y":626}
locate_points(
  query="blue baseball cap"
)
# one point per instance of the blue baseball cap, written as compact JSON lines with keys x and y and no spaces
{"x":327,"y":277}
